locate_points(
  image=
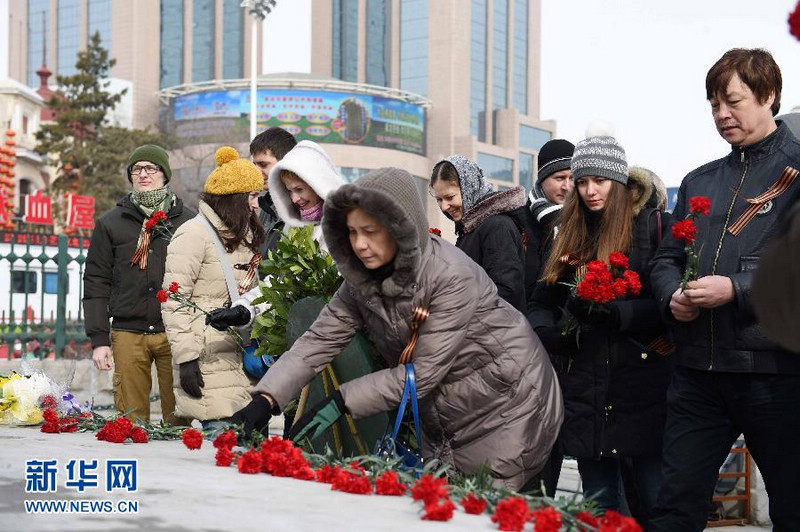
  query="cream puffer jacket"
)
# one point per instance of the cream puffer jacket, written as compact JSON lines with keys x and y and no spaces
{"x":193,"y":262}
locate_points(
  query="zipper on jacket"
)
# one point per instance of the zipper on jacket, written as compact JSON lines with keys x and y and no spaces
{"x":745,"y":164}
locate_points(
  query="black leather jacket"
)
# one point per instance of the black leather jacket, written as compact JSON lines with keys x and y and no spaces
{"x":728,"y":338}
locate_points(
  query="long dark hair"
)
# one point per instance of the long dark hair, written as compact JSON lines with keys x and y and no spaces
{"x":614,"y":231}
{"x":235,"y":213}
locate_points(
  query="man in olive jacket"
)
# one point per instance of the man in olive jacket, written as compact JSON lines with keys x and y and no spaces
{"x":123,"y":274}
{"x":729,"y":377}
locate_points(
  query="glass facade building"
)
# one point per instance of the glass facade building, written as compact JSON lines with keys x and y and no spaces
{"x":477,"y":93}
{"x":68,"y":37}
{"x":203,"y":23}
{"x":378,"y":35}
{"x":520,"y":78}
{"x":532,"y":138}
{"x":232,"y":46}
{"x":526,"y":170}
{"x":414,"y":46}
{"x":495,"y":167}
{"x":38,"y":29}
{"x":345,"y":39}
{"x":171,"y":44}
{"x":100,"y":21}
{"x":499,"y":54}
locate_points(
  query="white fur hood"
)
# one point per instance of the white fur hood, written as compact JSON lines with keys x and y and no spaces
{"x":310,"y":162}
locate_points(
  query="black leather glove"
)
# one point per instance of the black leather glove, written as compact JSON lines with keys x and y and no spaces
{"x":554,"y":340}
{"x":255,"y":416}
{"x":191,"y":378}
{"x":318,"y":418}
{"x":598,"y":314}
{"x":223,"y":317}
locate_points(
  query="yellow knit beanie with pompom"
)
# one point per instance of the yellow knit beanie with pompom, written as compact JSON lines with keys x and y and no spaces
{"x":233,"y":175}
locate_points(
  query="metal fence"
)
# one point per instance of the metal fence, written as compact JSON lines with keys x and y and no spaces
{"x":42,"y":316}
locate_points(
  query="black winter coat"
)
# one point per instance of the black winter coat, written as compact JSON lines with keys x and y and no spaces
{"x":115,"y":288}
{"x":728,"y":338}
{"x":540,"y":220}
{"x":273,"y":225}
{"x":491,"y":235}
{"x":615,"y":386}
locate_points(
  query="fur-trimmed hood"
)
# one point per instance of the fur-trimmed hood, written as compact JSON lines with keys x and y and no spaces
{"x":499,"y":203}
{"x":391,"y":196}
{"x":311,"y":164}
{"x":643,"y":192}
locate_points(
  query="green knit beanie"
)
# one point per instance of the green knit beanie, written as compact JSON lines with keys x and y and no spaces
{"x":151,"y":153}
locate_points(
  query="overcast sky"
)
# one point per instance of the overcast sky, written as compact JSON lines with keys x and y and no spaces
{"x":639,"y":65}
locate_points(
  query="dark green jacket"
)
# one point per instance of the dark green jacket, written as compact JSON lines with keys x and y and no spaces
{"x":115,"y":288}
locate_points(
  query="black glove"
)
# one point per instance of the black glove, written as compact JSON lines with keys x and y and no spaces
{"x":554,"y":340}
{"x":223,"y":317}
{"x":598,"y":314}
{"x":318,"y":418}
{"x":255,"y":416}
{"x":191,"y":378}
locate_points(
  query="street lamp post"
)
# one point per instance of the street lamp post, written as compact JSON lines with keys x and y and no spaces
{"x":258,"y":9}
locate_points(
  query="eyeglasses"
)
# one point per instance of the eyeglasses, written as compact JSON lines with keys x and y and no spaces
{"x":136,"y":170}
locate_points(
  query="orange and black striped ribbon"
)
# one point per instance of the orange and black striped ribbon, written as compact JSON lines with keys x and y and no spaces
{"x":420,"y":315}
{"x":140,"y":256}
{"x":779,"y":187}
{"x":662,"y":346}
{"x":244,"y":284}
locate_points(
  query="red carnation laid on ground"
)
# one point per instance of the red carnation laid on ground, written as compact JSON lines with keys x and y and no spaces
{"x":473,"y":505}
{"x":511,"y":514}
{"x":546,"y":519}
{"x":192,"y":438}
{"x":389,"y":484}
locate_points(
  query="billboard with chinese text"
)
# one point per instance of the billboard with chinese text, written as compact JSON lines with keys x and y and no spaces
{"x":223,"y":116}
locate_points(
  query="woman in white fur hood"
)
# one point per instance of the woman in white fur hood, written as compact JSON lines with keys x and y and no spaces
{"x":299,"y":184}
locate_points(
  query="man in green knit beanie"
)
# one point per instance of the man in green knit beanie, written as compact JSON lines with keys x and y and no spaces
{"x":124,"y":272}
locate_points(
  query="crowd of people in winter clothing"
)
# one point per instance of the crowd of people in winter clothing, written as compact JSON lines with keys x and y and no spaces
{"x":515,"y":366}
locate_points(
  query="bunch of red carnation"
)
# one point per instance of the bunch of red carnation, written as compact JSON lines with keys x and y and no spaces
{"x":511,"y":513}
{"x":154,"y":220}
{"x":686,"y":231}
{"x":388,"y":483}
{"x":120,"y":429}
{"x":433,"y":493}
{"x":546,"y":519}
{"x":55,"y":424}
{"x":353,"y":479}
{"x":282,"y":459}
{"x":601,"y":285}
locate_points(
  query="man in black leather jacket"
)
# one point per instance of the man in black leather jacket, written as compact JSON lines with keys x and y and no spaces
{"x":730,"y":378}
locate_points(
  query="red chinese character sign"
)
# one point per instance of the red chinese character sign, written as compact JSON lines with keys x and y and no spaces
{"x":80,"y":211}
{"x":5,"y":210}
{"x":38,"y":209}
{"x":7,"y":183}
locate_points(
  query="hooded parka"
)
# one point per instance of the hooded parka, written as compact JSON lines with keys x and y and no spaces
{"x":488,"y":392}
{"x":193,"y":263}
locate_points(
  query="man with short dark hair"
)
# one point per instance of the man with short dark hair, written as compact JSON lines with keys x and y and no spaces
{"x":729,"y":378}
{"x":266,"y":149}
{"x":124,"y":272}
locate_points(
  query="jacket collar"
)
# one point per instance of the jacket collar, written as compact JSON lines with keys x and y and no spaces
{"x":499,"y":203}
{"x":764,"y":147}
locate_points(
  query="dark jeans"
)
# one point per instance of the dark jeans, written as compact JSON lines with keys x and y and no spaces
{"x":602,"y":482}
{"x":706,"y":413}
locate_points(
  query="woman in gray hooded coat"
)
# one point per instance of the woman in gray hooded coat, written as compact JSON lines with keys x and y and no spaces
{"x":487,"y":390}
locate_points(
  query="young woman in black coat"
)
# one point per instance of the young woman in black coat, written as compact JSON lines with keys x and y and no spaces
{"x":616,"y":382}
{"x":489,"y":225}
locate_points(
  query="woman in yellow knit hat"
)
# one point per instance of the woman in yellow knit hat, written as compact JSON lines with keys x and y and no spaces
{"x":213,"y":258}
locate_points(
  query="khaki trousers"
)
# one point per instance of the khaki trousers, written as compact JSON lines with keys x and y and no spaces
{"x":134,"y":354}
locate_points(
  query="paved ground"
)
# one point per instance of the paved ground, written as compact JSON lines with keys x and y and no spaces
{"x":183,"y":490}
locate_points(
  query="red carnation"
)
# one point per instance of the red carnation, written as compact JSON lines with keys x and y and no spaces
{"x":50,"y":415}
{"x":618,"y":260}
{"x":620,"y":287}
{"x":139,"y":435}
{"x":124,"y":425}
{"x":249,"y":462}
{"x":162,"y":296}
{"x":587,"y":518}
{"x":794,"y":21}
{"x":326,"y":474}
{"x":349,"y":482}
{"x":441,"y":510}
{"x":389,"y":484}
{"x":112,"y":432}
{"x":546,"y":520}
{"x":174,"y":287}
{"x":51,"y":427}
{"x":700,"y":205}
{"x":473,"y":505}
{"x":429,"y":489}
{"x":616,"y":522}
{"x":224,"y":456}
{"x":226,"y":439}
{"x":511,"y":513}
{"x":48,"y":401}
{"x":68,"y":424}
{"x":435,"y":231}
{"x":597,"y":266}
{"x":192,"y":438}
{"x":685,"y":230}
{"x":633,"y":282}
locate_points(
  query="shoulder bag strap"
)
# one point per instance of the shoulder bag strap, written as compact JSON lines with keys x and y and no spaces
{"x":409,"y":395}
{"x":230,"y":281}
